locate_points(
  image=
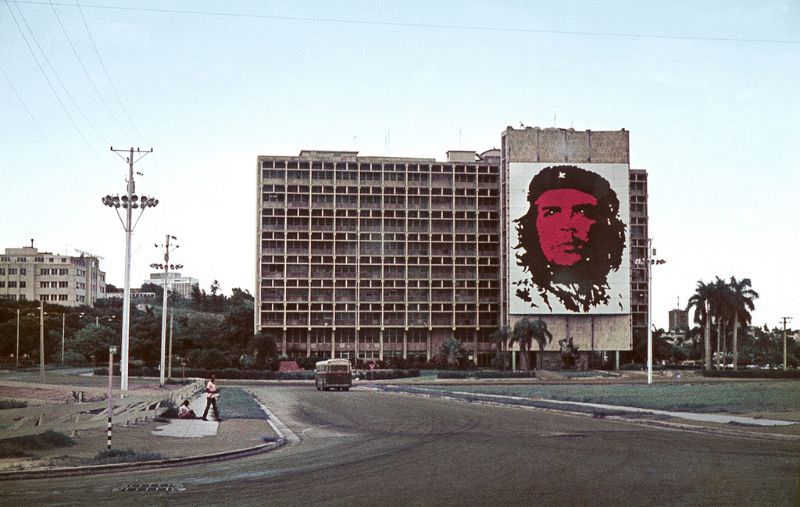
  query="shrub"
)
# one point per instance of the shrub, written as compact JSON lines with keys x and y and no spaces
{"x":461,"y":374}
{"x":752,"y":373}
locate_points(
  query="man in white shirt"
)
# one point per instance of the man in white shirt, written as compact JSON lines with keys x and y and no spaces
{"x":212,"y":393}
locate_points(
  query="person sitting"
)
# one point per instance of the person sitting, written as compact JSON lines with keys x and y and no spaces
{"x":185,"y":411}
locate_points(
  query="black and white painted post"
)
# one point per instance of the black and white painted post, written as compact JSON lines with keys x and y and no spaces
{"x":111,"y":351}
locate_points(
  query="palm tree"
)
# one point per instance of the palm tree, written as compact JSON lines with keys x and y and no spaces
{"x":500,"y":337}
{"x":720,"y":311}
{"x":741,"y":296}
{"x":526,"y":330}
{"x":701,"y":301}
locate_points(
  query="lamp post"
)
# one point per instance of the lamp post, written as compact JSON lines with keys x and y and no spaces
{"x":646,"y":263}
{"x":166,"y":267}
{"x":128,"y":202}
{"x":41,"y":340}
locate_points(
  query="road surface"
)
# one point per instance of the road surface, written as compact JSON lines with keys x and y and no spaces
{"x":373,"y":448}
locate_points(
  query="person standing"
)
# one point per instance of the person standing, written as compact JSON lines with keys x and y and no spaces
{"x":212,"y":393}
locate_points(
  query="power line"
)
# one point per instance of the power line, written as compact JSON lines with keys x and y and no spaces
{"x":49,"y":83}
{"x":103,"y":65}
{"x":33,"y":119}
{"x":86,"y":72}
{"x":58,"y":78}
{"x":438,"y":26}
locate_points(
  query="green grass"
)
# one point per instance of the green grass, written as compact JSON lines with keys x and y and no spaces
{"x":20,"y":447}
{"x":731,"y":397}
{"x":234,"y":402}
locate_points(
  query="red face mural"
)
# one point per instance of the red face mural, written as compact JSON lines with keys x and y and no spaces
{"x":564,"y":217}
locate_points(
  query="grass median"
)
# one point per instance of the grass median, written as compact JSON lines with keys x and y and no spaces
{"x":729,"y":397}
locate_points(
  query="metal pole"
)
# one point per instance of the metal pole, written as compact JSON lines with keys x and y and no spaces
{"x":41,"y":340}
{"x":649,"y":267}
{"x":164,"y":313}
{"x":126,"y":295}
{"x":169,"y":361}
{"x":63,"y":324}
{"x":111,"y":351}
{"x":17,"y":355}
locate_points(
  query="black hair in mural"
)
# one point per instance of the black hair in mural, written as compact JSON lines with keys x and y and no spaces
{"x":570,"y":239}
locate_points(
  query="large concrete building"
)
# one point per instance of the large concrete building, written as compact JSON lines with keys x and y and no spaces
{"x":28,"y":274}
{"x":380,"y":257}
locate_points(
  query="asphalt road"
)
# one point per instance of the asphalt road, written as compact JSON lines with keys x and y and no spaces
{"x":373,"y":448}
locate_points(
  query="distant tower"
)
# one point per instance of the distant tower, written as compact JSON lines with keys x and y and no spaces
{"x":678,"y":319}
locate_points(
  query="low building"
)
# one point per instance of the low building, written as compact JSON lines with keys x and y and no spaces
{"x":26,"y":274}
{"x":183,"y":285}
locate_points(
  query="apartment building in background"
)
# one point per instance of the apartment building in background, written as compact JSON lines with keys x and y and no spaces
{"x":381,"y":257}
{"x":69,"y":280}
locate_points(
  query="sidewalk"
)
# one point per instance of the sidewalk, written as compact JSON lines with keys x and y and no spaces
{"x":162,"y":439}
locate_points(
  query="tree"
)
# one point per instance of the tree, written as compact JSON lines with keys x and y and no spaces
{"x":451,"y":351}
{"x":92,"y":342}
{"x":701,"y":302}
{"x":741,"y":299}
{"x":526,"y":330}
{"x":500,"y":337}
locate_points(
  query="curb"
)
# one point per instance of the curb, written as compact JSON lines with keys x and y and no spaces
{"x":137,"y":465}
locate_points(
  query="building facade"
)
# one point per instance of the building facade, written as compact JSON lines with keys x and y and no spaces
{"x":28,"y":274}
{"x":381,"y":257}
{"x":183,"y":285}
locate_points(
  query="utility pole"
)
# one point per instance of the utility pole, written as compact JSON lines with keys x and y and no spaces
{"x":785,"y":320}
{"x":16,"y":357}
{"x":129,"y":201}
{"x":166,"y":267}
{"x":648,"y":262}
{"x":63,"y":326}
{"x":169,"y":361}
{"x":41,"y":340}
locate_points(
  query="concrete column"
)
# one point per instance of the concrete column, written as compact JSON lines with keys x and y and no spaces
{"x":283,"y":342}
{"x":405,"y":344}
{"x":380,"y":344}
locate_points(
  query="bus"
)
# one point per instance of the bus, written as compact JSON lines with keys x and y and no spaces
{"x":333,"y":374}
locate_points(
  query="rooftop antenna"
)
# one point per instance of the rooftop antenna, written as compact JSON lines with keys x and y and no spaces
{"x":459,"y":138}
{"x":386,"y":142}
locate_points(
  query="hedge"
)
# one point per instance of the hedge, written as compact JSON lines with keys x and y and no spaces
{"x":462,"y":374}
{"x":752,"y":373}
{"x":233,"y":373}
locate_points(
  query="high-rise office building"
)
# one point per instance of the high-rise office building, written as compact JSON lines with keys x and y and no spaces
{"x":379,"y":257}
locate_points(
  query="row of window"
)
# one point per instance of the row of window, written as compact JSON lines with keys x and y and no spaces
{"x":14,"y":271}
{"x":377,"y":213}
{"x":330,"y":190}
{"x":35,"y":259}
{"x":54,"y":285}
{"x":13,"y":284}
{"x":376,"y":167}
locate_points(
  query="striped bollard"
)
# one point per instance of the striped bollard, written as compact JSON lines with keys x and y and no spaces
{"x":111,"y":351}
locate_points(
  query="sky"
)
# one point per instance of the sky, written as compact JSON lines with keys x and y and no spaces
{"x":708,"y":91}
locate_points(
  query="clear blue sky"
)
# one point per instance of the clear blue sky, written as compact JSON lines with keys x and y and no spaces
{"x":709,"y":94}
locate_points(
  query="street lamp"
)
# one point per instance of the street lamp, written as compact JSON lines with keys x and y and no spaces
{"x":646,"y":263}
{"x":128,"y":202}
{"x":166,"y":267}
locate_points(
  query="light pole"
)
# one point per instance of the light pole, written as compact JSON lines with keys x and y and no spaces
{"x":785,"y":320}
{"x":128,"y":202}
{"x":166,"y":267}
{"x":16,"y":357}
{"x":647,"y":262}
{"x":41,"y":340}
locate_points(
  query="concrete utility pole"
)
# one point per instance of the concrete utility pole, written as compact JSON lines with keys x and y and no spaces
{"x":129,"y":201}
{"x":41,"y":340}
{"x":166,"y":267}
{"x":16,"y":356}
{"x":785,"y":320}
{"x":647,"y":264}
